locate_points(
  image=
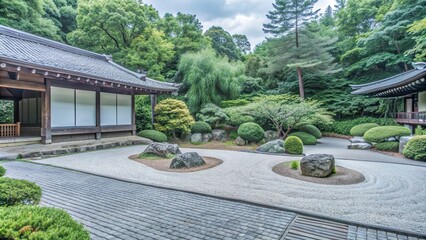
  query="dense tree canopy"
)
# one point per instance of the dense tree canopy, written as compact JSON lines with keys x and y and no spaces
{"x":223,"y":43}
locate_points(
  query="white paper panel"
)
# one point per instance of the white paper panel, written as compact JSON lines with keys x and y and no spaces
{"x":108,"y":109}
{"x":62,"y":107}
{"x":85,"y":108}
{"x":124,"y":109}
{"x":32,"y":107}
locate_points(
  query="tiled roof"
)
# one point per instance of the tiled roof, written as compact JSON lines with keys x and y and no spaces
{"x":33,"y":50}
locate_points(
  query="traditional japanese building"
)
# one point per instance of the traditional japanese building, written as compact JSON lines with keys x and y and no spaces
{"x":410,"y":85}
{"x":65,"y":93}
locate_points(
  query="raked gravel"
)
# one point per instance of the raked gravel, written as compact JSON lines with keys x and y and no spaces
{"x":392,"y":195}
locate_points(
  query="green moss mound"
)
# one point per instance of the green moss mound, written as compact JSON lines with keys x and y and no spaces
{"x":380,"y":134}
{"x":359,"y":130}
{"x":387,"y":146}
{"x":18,"y":192}
{"x":416,"y":148}
{"x":201,"y":127}
{"x":293,"y":145}
{"x":33,"y":222}
{"x":154,"y":135}
{"x":306,"y":138}
{"x":251,"y":132}
{"x":311,"y":129}
{"x":2,"y":171}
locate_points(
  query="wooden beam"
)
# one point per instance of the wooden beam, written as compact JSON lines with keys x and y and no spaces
{"x":7,"y":83}
{"x":46,"y":124}
{"x":16,"y":111}
{"x":153,"y":104}
{"x":98,"y":114}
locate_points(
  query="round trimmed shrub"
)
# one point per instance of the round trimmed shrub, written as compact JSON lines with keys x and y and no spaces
{"x":201,"y":127}
{"x":359,"y":130}
{"x":311,"y":129}
{"x":154,"y":135}
{"x":381,"y":134}
{"x":251,"y":132}
{"x":2,"y":171}
{"x":18,"y":192}
{"x":34,"y":222}
{"x":306,"y":138}
{"x":416,"y":148}
{"x":387,"y":146}
{"x":293,"y":145}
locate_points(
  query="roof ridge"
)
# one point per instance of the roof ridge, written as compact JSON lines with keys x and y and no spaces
{"x":357,"y":86}
{"x":138,"y":75}
{"x":48,"y":42}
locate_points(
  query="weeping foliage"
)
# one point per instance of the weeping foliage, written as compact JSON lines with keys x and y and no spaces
{"x":208,"y":78}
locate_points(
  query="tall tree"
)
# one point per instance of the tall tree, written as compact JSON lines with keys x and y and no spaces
{"x":327,"y":18}
{"x":287,"y":17}
{"x":418,"y":30}
{"x":223,"y":43}
{"x":242,"y":43}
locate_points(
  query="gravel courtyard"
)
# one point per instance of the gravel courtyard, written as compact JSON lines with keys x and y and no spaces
{"x":392,"y":194}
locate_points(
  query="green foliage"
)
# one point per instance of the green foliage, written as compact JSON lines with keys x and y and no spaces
{"x":242,"y":43}
{"x":416,"y":148}
{"x":359,"y":130}
{"x":201,"y":127}
{"x":344,"y":126}
{"x":233,"y":135}
{"x":380,"y":134}
{"x":143,"y":113}
{"x":293,"y":145}
{"x":154,"y":135}
{"x":2,"y":171}
{"x":223,"y":43}
{"x":213,"y":115}
{"x":251,"y":132}
{"x":234,"y":103}
{"x":387,"y":146}
{"x":6,"y":108}
{"x":311,"y":129}
{"x":294,"y":165}
{"x":18,"y":192}
{"x":420,"y":131}
{"x":418,"y":31}
{"x":306,"y":138}
{"x":152,"y":156}
{"x":209,"y":79}
{"x":172,"y":116}
{"x":33,"y":222}
{"x":237,"y":116}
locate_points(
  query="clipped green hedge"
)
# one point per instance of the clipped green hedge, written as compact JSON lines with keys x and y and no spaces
{"x":251,"y":132}
{"x":2,"y":171}
{"x":201,"y":127}
{"x":311,"y":129}
{"x":18,"y":192}
{"x":387,"y":146}
{"x":359,"y":130}
{"x":154,"y":135}
{"x":293,"y":145}
{"x":34,"y":222}
{"x":306,"y":138}
{"x":416,"y":148}
{"x":380,"y":134}
{"x":344,"y":126}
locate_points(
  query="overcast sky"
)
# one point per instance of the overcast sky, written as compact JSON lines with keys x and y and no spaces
{"x":235,"y":16}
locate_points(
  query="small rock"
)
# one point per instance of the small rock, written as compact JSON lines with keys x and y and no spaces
{"x":196,"y":138}
{"x":206,"y":137}
{"x":187,"y":160}
{"x":275,"y":146}
{"x":240,"y":142}
{"x":357,"y":140}
{"x":270,"y":135}
{"x":317,"y":165}
{"x":162,"y":149}
{"x":402,"y":142}
{"x":219,"y":135}
{"x":361,"y":146}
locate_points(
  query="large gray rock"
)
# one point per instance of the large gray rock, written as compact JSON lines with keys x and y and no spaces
{"x":275,"y":146}
{"x":187,"y":160}
{"x":162,"y":149}
{"x":240,"y":142}
{"x":403,"y":142}
{"x":196,"y":138}
{"x":360,"y":146}
{"x":317,"y":165}
{"x":357,"y":140}
{"x":270,"y":135}
{"x":219,"y":135}
{"x":206,"y":137}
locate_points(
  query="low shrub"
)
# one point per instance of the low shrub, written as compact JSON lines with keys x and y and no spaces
{"x":419,"y":131}
{"x":18,"y":192}
{"x":416,"y":148}
{"x":201,"y":127}
{"x":33,"y":222}
{"x":294,"y":165}
{"x":344,"y":126}
{"x":2,"y":171}
{"x":381,"y":134}
{"x":233,"y":135}
{"x":251,"y":132}
{"x":359,"y":130}
{"x":306,"y":138}
{"x":387,"y":146}
{"x":152,"y":156}
{"x":234,"y":103}
{"x":293,"y":145}
{"x":154,"y":135}
{"x":311,"y":129}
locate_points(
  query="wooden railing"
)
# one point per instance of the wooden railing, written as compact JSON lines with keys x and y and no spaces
{"x":411,"y":117}
{"x":10,"y":130}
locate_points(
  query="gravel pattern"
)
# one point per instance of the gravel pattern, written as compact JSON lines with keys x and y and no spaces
{"x":392,"y":194}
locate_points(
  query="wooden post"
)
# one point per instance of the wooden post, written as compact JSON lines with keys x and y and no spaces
{"x":153,"y":104}
{"x":18,"y":129}
{"x":98,"y":114}
{"x":46,"y":123}
{"x":133,"y":114}
{"x":16,"y":111}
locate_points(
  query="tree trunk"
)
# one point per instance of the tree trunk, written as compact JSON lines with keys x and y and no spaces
{"x":301,"y":87}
